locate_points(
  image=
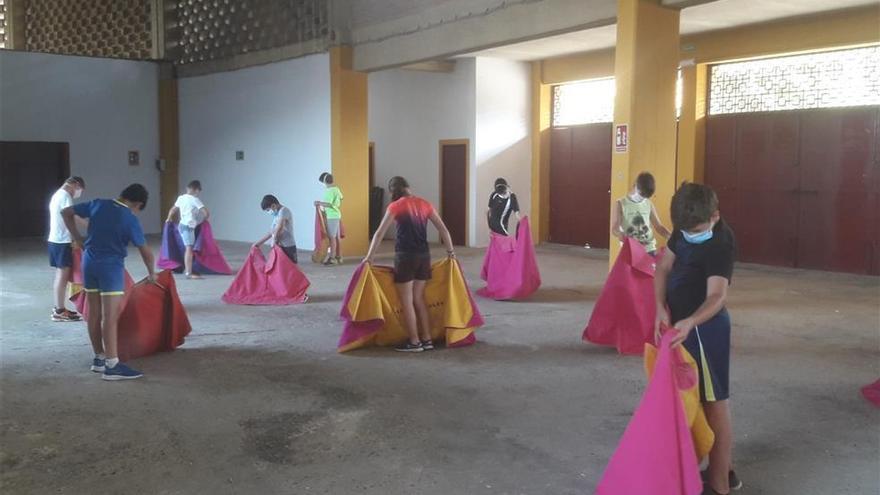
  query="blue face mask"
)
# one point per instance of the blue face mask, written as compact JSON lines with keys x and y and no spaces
{"x":271,"y":212}
{"x":699,"y":237}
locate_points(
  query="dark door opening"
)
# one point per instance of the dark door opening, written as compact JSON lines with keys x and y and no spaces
{"x":453,"y":188}
{"x":31,"y":172}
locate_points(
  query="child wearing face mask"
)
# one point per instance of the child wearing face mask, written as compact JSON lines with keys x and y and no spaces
{"x":691,"y":280}
{"x":634,"y":215}
{"x":60,"y":245}
{"x":281,"y":232}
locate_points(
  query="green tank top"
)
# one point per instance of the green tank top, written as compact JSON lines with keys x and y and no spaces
{"x":636,"y":222}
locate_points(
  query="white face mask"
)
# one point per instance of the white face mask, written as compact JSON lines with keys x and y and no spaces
{"x":77,"y":193}
{"x":636,"y":197}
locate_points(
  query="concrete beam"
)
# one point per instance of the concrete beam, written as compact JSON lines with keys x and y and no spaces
{"x":683,"y":4}
{"x":439,"y":34}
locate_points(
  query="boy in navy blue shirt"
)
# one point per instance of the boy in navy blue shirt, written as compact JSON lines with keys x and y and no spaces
{"x":112,"y":226}
{"x":691,"y":281}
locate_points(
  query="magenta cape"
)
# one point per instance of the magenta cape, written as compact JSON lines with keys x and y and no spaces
{"x":275,"y":281}
{"x":625,"y":311}
{"x":656,"y":454}
{"x":509,"y":267}
{"x":207,"y":257}
{"x":153,"y":319}
{"x":872,"y":393}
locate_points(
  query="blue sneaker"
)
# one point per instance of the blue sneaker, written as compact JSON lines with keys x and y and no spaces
{"x":98,"y":365}
{"x":121,"y":372}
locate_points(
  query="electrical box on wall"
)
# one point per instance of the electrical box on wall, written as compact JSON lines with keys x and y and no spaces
{"x":134,"y":158}
{"x":239,"y":156}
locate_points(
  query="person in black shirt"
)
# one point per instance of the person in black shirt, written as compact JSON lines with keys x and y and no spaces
{"x":502,"y":203}
{"x":691,"y":280}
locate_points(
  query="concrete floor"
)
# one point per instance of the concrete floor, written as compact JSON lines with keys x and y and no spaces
{"x":258,"y":401}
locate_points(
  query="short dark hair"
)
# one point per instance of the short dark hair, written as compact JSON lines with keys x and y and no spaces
{"x":195,"y":185}
{"x":136,"y":193}
{"x":322,"y":177}
{"x":645,"y":183}
{"x":75,"y":180}
{"x":692,"y":205}
{"x":398,"y":186}
{"x":328,"y":179}
{"x":501,"y":181}
{"x":268,"y":200}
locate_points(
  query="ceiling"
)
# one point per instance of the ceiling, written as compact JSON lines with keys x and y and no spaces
{"x":711,"y":16}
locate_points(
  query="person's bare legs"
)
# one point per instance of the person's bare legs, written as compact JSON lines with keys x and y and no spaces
{"x":94,"y":321}
{"x":188,"y":262}
{"x":405,"y":294}
{"x":62,"y":277}
{"x":334,"y":247}
{"x":111,"y":305}
{"x":421,"y":307}
{"x":721,"y":455}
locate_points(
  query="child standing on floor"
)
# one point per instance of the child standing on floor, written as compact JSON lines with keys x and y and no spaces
{"x":634,"y":215}
{"x":281,"y":231}
{"x":412,"y":258}
{"x":60,"y":247}
{"x":112,"y":226}
{"x":192,"y":212}
{"x":691,"y":281}
{"x":331,"y":204}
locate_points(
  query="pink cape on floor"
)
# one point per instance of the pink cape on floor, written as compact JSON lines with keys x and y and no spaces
{"x":207,"y":257}
{"x":624,"y":314}
{"x":153,"y":319}
{"x":656,"y":454}
{"x":78,"y":295}
{"x":276,"y":281}
{"x":509,"y":267}
{"x":872,"y":393}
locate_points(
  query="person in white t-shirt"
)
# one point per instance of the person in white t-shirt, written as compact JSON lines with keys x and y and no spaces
{"x":192,"y":212}
{"x":60,"y":245}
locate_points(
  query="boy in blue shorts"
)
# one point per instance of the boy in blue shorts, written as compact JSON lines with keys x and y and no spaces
{"x":112,"y":225}
{"x":691,"y":281}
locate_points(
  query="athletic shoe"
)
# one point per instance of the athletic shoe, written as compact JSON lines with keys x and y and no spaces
{"x":428,"y":345}
{"x":121,"y":372}
{"x":194,"y":276}
{"x":65,"y":315}
{"x":732,"y":479}
{"x":407,"y":347}
{"x":98,"y":365}
{"x":339,"y":260}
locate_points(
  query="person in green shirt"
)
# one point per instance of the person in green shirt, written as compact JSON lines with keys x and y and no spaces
{"x":333,"y":214}
{"x":634,"y":215}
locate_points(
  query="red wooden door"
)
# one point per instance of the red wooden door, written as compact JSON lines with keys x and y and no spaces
{"x":453,"y":190}
{"x":580,"y":183}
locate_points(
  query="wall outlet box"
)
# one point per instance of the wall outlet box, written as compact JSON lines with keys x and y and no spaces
{"x":134,"y":158}
{"x":239,"y":156}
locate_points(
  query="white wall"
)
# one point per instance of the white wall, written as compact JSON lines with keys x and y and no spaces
{"x":103,"y":107}
{"x":279,"y":115}
{"x":409,"y":113}
{"x":503,"y":145}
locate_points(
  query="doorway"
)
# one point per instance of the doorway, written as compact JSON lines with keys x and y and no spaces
{"x":454,"y":187}
{"x":32,"y":172}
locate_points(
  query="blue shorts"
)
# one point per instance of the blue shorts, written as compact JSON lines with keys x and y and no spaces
{"x":60,"y":255}
{"x":105,"y":276}
{"x":709,"y":344}
{"x":188,"y":235}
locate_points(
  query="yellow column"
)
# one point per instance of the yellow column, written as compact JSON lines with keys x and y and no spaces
{"x":541,"y":111}
{"x":169,"y":145}
{"x":350,"y":148}
{"x":645,"y":65}
{"x":692,"y":125}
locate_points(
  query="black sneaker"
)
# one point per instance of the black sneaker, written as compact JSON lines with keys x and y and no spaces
{"x":408,"y":347}
{"x":733,"y":480}
{"x":65,"y":314}
{"x":428,"y":345}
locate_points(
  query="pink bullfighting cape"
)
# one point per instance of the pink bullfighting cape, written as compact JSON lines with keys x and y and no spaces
{"x":207,"y":257}
{"x":509,"y":267}
{"x":153,"y":319}
{"x":625,"y":311}
{"x":371,"y":309}
{"x":656,"y":454}
{"x":273,"y":281}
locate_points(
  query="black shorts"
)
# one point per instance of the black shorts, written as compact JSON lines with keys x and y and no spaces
{"x":411,"y":266}
{"x":290,"y":251}
{"x":60,"y":255}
